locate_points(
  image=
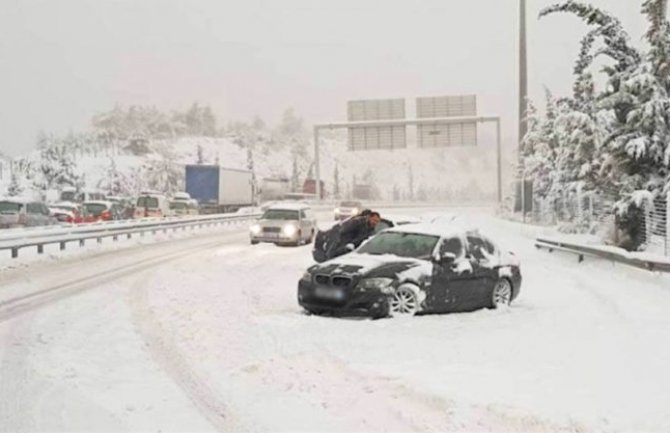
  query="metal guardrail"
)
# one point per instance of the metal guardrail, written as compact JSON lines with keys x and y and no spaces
{"x":84,"y":232}
{"x":602,"y":253}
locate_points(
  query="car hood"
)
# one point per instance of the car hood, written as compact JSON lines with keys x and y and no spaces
{"x":371,"y":266}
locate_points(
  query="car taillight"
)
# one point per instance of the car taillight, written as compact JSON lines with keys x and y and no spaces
{"x":106,"y":215}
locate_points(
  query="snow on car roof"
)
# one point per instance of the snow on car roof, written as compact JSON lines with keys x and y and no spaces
{"x":289,"y":206}
{"x":64,"y":204}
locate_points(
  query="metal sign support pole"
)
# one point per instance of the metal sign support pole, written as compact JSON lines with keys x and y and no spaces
{"x":317,"y":165}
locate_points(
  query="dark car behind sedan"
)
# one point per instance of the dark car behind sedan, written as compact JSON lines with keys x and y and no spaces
{"x":413,"y":269}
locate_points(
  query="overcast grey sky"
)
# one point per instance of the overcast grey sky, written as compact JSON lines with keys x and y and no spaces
{"x":63,"y":60}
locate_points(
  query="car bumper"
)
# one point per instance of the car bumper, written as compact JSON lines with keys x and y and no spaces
{"x":274,"y":239}
{"x":371,"y":303}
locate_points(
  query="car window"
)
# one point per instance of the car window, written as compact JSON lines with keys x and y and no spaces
{"x":489,"y":245}
{"x":95,"y":208}
{"x":10,"y":207}
{"x":68,"y":196}
{"x":477,"y":247}
{"x":303,"y":214}
{"x":34,"y":208}
{"x":452,"y":245}
{"x":148,"y":202}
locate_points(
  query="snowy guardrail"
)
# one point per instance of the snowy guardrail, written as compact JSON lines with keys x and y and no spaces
{"x":61,"y":235}
{"x":617,"y":255}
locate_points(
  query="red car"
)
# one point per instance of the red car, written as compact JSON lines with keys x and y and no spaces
{"x":100,"y":210}
{"x":70,"y":213}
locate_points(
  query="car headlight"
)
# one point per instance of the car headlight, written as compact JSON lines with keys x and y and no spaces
{"x":382,"y":284}
{"x":255,"y":229}
{"x":306,"y":277}
{"x":338,"y":210}
{"x":354,"y":211}
{"x":289,"y":230}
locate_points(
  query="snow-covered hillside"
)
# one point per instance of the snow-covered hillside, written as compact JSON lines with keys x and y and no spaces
{"x":400,"y":174}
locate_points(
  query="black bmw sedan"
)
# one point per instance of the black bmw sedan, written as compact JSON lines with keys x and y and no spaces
{"x":413,"y":269}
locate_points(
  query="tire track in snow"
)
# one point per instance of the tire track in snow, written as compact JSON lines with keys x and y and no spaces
{"x":36,"y":299}
{"x":164,"y":351}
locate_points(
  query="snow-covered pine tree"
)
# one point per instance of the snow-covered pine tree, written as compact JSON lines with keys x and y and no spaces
{"x":607,"y":27}
{"x":14,"y":189}
{"x":115,"y":182}
{"x":56,"y":167}
{"x":295,"y":175}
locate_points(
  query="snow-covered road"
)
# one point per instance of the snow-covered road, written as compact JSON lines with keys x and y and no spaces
{"x":214,"y":340}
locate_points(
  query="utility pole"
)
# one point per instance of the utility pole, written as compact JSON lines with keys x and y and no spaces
{"x":523,"y":74}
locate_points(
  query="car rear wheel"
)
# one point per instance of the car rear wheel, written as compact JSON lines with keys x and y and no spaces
{"x":254,"y":242}
{"x":404,"y":301}
{"x":502,"y":293}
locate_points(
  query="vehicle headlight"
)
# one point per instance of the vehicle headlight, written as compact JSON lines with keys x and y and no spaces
{"x":382,"y":284}
{"x":338,"y":210}
{"x":289,"y":230}
{"x":255,"y":229}
{"x":354,"y":211}
{"x":306,"y":277}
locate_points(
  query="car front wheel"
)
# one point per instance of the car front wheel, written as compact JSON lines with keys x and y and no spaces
{"x":404,"y":301}
{"x":502,"y":293}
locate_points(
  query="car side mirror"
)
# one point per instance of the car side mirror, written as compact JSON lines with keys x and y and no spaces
{"x":445,"y":259}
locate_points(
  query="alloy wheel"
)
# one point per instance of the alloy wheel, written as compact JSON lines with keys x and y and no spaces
{"x":404,"y":301}
{"x":502,"y":293}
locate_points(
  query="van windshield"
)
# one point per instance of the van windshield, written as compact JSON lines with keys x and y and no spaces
{"x":9,"y":207}
{"x":178,"y":205}
{"x":147,"y":202}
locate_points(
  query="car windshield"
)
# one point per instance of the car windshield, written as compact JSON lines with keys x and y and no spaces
{"x":281,"y":214}
{"x":401,"y":244}
{"x":68,"y":196}
{"x":95,"y":208}
{"x":150,"y":202}
{"x":350,"y":204}
{"x":9,"y":206}
{"x":177,"y":205}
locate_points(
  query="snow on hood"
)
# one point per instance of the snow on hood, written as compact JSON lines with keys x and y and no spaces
{"x":422,"y":269}
{"x":364,"y":263}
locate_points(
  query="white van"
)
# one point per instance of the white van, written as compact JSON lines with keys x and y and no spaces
{"x":71,"y":194}
{"x":151,"y":204}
